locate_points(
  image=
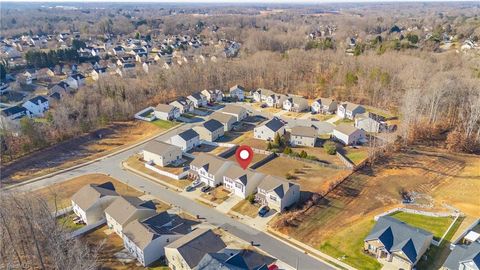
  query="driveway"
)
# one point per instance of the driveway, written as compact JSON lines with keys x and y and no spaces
{"x":225,"y":206}
{"x":333,"y":119}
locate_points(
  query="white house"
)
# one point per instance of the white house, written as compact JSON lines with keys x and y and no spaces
{"x":241,"y":182}
{"x":13,"y":113}
{"x":198,"y":100}
{"x":238,"y":112}
{"x":269,"y":130}
{"x":98,"y":73}
{"x":124,"y":210}
{"x":277,"y":193}
{"x":349,"y":134}
{"x":295,"y":104}
{"x":183,"y":104}
{"x":37,"y":105}
{"x":349,"y":110}
{"x":166,"y":112}
{"x":324,"y":105}
{"x":365,"y":122}
{"x":210,"y":130}
{"x":161,"y":153}
{"x":146,"y":238}
{"x":213,"y":95}
{"x":90,"y":202}
{"x":75,"y":81}
{"x":237,"y":92}
{"x":227,"y":120}
{"x":463,"y":257}
{"x":209,"y":169}
{"x":186,"y":139}
{"x":276,"y":100}
{"x":261,"y":94}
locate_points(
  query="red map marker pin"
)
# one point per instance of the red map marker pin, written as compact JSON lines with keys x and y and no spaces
{"x":244,"y":155}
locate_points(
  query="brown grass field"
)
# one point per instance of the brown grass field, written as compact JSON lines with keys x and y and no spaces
{"x":61,"y":193}
{"x":338,"y":225}
{"x":78,"y":150}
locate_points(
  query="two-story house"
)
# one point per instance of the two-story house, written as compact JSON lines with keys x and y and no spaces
{"x":324,"y":105}
{"x":210,"y":130}
{"x":303,"y":135}
{"x":186,"y":140}
{"x":209,"y":169}
{"x":349,"y":110}
{"x":37,"y":105}
{"x":166,"y":112}
{"x":237,"y":111}
{"x":161,"y":153}
{"x":198,"y":100}
{"x":213,"y":95}
{"x":269,"y":130}
{"x":241,"y":182}
{"x":183,"y":104}
{"x":277,"y":193}
{"x":227,"y":120}
{"x":90,"y":202}
{"x":237,"y":93}
{"x":276,"y":100}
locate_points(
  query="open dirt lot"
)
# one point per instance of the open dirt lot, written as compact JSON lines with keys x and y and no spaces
{"x":77,"y":151}
{"x":61,"y":193}
{"x":339,"y":224}
{"x":311,"y":178}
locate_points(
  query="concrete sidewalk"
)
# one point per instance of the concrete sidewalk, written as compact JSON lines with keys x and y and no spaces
{"x":225,"y":206}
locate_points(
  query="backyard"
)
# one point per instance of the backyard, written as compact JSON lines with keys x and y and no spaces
{"x":163,"y":124}
{"x":59,"y":195}
{"x":338,"y":224}
{"x":436,"y":225}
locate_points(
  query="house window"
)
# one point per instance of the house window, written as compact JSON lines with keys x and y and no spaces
{"x":273,"y":198}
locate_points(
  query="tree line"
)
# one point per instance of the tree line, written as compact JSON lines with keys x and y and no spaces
{"x":40,"y":59}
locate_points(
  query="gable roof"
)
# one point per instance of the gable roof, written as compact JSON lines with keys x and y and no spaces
{"x":212,"y":125}
{"x":164,"y":108}
{"x":245,"y":176}
{"x":188,"y":134}
{"x":125,"y":206}
{"x":159,"y":147}
{"x":36,"y":99}
{"x":276,"y":184}
{"x":233,"y":88}
{"x":89,"y":194}
{"x":222,"y":117}
{"x":193,"y":246}
{"x":14,"y":110}
{"x":275,"y":124}
{"x":463,"y":254}
{"x":233,"y":259}
{"x":265,"y":92}
{"x":212,"y":164}
{"x":324,"y":101}
{"x":346,"y":129}
{"x":399,"y":236}
{"x":304,"y":131}
{"x":233,"y":109}
{"x":350,"y":106}
{"x":196,"y":96}
{"x":143,"y":232}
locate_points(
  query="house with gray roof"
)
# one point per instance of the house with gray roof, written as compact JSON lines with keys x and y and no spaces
{"x":269,"y":130}
{"x":209,"y":169}
{"x":166,"y":112}
{"x":276,"y":100}
{"x":303,"y":136}
{"x":161,"y":153}
{"x":186,"y":252}
{"x":213,"y":95}
{"x":90,"y":202}
{"x":37,"y":105}
{"x":369,"y":124}
{"x":237,"y":92}
{"x":210,"y":130}
{"x":241,"y":182}
{"x":463,"y":257}
{"x":183,"y":104}
{"x":324,"y":105}
{"x":186,"y":139}
{"x":397,"y":243}
{"x":227,"y":120}
{"x":295,"y":104}
{"x":125,"y":209}
{"x":349,"y":110}
{"x":146,"y":238}
{"x":348,"y":134}
{"x":261,"y":94}
{"x":198,"y":100}
{"x":234,"y":259}
{"x":277,"y":193}
{"x":237,"y":111}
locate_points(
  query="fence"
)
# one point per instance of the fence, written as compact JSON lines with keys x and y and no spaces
{"x":229,"y":152}
{"x":141,"y":114}
{"x":167,"y":174}
{"x":345,"y":161}
{"x":263,"y":161}
{"x":465,"y":232}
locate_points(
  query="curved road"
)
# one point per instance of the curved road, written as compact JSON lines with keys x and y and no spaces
{"x":112,"y":166}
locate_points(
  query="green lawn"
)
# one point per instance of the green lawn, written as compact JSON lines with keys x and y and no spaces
{"x":347,"y":246}
{"x":357,"y":155}
{"x":67,"y":222}
{"x":436,"y":225}
{"x":344,"y":121}
{"x":164,"y":124}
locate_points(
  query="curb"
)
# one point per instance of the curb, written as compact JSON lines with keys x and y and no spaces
{"x":89,"y":162}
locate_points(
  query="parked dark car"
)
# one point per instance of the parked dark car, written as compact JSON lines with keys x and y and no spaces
{"x":206,"y":189}
{"x":263,"y":105}
{"x":263,"y":211}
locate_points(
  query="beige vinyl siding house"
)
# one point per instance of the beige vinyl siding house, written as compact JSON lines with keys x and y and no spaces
{"x":209,"y":169}
{"x":238,"y":112}
{"x":125,"y":209}
{"x":227,"y":120}
{"x":261,"y":94}
{"x":349,"y":110}
{"x":161,"y":153}
{"x":210,"y":130}
{"x":166,"y":112}
{"x":295,"y":104}
{"x":237,"y":92}
{"x":276,"y":100}
{"x":324,"y":105}
{"x":90,"y":202}
{"x":186,"y":140}
{"x":186,"y":252}
{"x":277,"y":193}
{"x":303,"y":135}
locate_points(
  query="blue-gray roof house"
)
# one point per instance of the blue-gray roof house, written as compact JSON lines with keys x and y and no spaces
{"x":229,"y":259}
{"x":397,"y":243}
{"x":464,"y":257}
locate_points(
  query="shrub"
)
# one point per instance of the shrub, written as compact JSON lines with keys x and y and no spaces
{"x":288,"y":151}
{"x":330,"y":147}
{"x":303,"y":154}
{"x":251,"y":198}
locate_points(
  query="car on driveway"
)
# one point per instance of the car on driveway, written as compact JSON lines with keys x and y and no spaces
{"x":263,"y":105}
{"x":196,"y":183}
{"x":189,"y":188}
{"x":263,"y":211}
{"x":206,"y":189}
